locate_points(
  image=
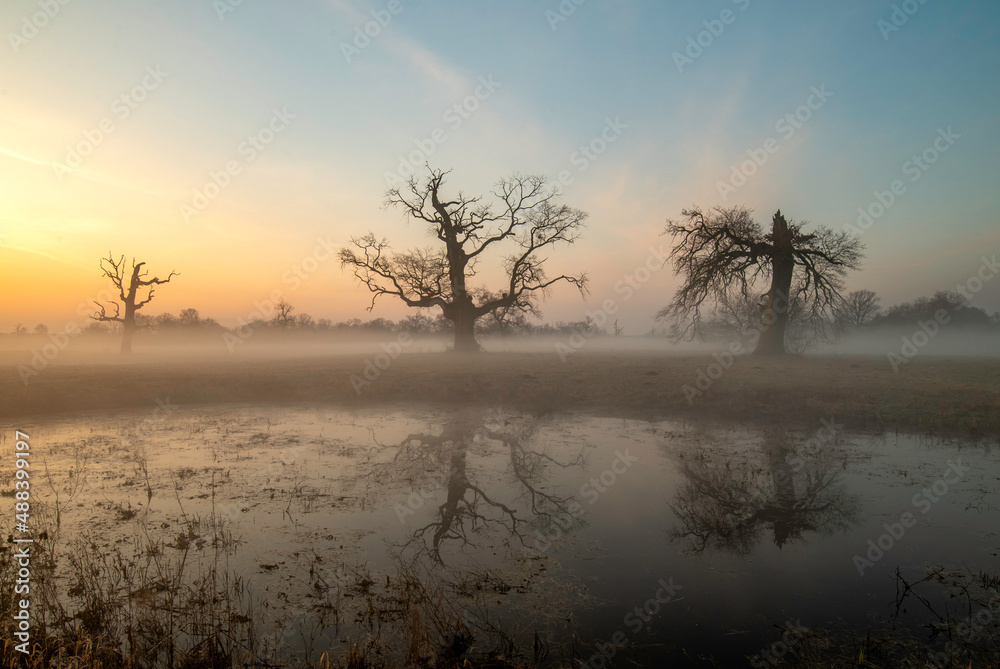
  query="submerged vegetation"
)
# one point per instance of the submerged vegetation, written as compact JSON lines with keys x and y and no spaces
{"x":145,"y":564}
{"x":149,"y":606}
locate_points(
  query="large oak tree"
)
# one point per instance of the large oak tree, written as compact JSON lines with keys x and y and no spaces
{"x":523,"y":221}
{"x":723,"y":254}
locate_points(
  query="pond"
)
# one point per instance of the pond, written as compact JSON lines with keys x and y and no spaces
{"x":408,"y":529}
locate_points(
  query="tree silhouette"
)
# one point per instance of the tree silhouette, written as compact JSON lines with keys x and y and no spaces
{"x":525,"y":218}
{"x":468,"y":509}
{"x":189,"y":317}
{"x":724,"y":254}
{"x":858,"y":309}
{"x":727,"y":505}
{"x":284,"y":317}
{"x":129,"y":288}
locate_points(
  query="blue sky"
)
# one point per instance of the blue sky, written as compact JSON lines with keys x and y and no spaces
{"x":225,"y":73}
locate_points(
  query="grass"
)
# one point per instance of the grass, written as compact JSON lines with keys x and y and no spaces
{"x":148,"y":607}
{"x":929,"y":394}
{"x":168,"y":597}
{"x":129,"y":616}
{"x":137,"y":605}
{"x":965,"y":632}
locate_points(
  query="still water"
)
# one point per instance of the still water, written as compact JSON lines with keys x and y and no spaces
{"x":568,"y":535}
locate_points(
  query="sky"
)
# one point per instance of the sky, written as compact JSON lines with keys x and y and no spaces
{"x":240,"y":143}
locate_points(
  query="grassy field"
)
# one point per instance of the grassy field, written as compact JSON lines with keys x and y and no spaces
{"x":929,"y":394}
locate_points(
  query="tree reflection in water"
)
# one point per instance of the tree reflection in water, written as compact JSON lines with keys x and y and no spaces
{"x":468,"y":512}
{"x":786,"y":492}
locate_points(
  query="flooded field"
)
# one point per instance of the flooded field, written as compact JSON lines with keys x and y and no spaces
{"x":571,"y":538}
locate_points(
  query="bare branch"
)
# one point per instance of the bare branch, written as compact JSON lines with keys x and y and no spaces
{"x":724,"y":256}
{"x":128,"y":294}
{"x":523,"y":215}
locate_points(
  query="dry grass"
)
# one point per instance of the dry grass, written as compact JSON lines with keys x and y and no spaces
{"x":128,"y":606}
{"x":929,"y":394}
{"x":145,"y":609}
{"x":144,"y":602}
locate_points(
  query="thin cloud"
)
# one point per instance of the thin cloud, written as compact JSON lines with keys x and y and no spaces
{"x":28,"y":159}
{"x":426,"y":62}
{"x":432,"y":67}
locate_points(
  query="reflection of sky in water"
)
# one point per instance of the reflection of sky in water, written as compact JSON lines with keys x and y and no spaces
{"x":319,"y":491}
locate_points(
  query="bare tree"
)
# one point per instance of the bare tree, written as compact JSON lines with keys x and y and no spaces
{"x":129,"y":288}
{"x":788,"y":493}
{"x":284,"y":317}
{"x":738,"y":318}
{"x":525,"y":217}
{"x":857,"y":309}
{"x":724,"y":254}
{"x":19,"y":329}
{"x":505,"y":320}
{"x":189,"y":317}
{"x":468,"y":510}
{"x":734,"y":315}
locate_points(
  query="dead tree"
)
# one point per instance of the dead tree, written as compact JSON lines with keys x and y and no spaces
{"x":725,"y":254}
{"x":525,"y":220}
{"x":129,"y":288}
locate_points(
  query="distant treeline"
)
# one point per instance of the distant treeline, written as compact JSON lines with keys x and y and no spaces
{"x":190,"y":323}
{"x":959,"y":312}
{"x":860,"y":311}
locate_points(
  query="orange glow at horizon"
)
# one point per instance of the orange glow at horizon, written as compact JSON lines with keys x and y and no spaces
{"x":43,"y":290}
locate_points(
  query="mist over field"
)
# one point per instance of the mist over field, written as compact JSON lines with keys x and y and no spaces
{"x":364,"y":334}
{"x":972,"y":341}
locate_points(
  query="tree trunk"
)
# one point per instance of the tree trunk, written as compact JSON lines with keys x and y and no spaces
{"x":128,"y":329}
{"x":782,"y":511}
{"x":458,"y":485}
{"x":465,"y":331}
{"x":774,"y":314}
{"x":128,"y":323}
{"x":463,"y":310}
